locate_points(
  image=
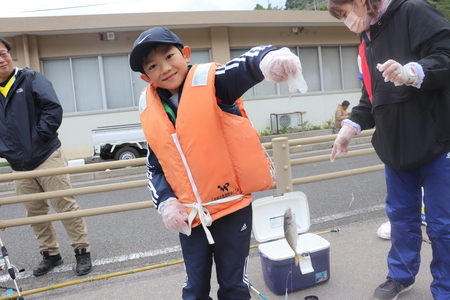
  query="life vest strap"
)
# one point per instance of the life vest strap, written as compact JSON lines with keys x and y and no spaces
{"x":204,"y":215}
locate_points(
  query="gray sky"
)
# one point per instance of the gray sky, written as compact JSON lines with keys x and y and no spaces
{"x":29,"y":8}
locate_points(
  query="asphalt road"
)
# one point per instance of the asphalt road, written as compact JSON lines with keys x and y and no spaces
{"x":135,"y":239}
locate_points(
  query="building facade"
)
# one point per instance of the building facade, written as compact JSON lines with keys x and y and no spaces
{"x":86,"y":59}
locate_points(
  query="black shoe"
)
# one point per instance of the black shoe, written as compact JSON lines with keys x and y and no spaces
{"x":390,"y":289}
{"x":84,"y":265}
{"x":47,"y":264}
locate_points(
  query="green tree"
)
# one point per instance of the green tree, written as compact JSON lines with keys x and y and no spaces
{"x":269,"y":7}
{"x":297,"y":4}
{"x":442,"y":5}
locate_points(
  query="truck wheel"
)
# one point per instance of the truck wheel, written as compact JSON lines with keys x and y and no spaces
{"x":126,"y":153}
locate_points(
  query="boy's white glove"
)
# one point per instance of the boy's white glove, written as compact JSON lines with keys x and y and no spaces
{"x":396,"y":73}
{"x":284,"y":67}
{"x":174,"y":216}
{"x":342,"y":141}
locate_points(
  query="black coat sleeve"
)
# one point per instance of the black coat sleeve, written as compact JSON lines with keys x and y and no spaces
{"x":235,"y":77}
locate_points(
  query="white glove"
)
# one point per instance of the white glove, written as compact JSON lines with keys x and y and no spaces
{"x":284,"y":67}
{"x":342,"y":141}
{"x":395,"y":72}
{"x":174,"y":216}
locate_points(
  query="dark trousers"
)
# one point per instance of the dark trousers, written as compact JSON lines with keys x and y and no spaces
{"x":403,"y":207}
{"x":230,"y":251}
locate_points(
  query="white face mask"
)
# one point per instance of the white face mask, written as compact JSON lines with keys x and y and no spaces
{"x":357,"y":24}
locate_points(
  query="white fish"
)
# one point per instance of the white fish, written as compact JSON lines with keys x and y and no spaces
{"x":291,"y":233}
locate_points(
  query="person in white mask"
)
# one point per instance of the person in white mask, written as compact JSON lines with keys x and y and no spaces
{"x":354,"y":21}
{"x":405,"y":63}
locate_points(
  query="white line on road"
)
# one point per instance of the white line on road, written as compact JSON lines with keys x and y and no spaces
{"x":138,"y":255}
{"x":100,"y":262}
{"x":347,"y":214}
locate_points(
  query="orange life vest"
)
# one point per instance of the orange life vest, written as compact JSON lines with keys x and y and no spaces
{"x":212,"y":160}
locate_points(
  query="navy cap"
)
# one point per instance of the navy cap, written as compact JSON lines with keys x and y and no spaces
{"x":153,"y":35}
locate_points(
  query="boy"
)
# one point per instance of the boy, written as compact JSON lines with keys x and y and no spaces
{"x":204,"y":157}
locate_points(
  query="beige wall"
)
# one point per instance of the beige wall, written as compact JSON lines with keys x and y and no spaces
{"x":220,"y":44}
{"x":218,"y":39}
{"x":51,"y":46}
{"x":244,"y":37}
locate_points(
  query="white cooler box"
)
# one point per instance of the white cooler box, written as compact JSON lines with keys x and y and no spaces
{"x":277,"y":257}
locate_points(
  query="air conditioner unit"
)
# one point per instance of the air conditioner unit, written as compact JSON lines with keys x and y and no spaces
{"x":288,"y":120}
{"x":111,"y":36}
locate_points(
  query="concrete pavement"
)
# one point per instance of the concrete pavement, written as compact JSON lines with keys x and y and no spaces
{"x":357,"y":266}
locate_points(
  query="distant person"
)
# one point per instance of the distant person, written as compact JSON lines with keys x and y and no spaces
{"x":30,"y":117}
{"x":205,"y":158}
{"x":340,"y":115}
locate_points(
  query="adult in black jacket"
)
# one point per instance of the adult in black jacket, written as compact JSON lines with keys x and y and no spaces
{"x":30,"y":117}
{"x":405,"y":62}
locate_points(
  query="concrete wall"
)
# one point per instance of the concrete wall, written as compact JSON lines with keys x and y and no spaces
{"x":319,"y":108}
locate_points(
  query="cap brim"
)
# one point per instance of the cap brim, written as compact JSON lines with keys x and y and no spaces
{"x":136,"y":57}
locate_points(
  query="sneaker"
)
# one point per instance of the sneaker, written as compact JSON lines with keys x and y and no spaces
{"x":47,"y":264}
{"x":84,"y":265}
{"x":390,"y":289}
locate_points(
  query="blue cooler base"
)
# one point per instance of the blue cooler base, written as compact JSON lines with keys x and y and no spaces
{"x":282,"y":274}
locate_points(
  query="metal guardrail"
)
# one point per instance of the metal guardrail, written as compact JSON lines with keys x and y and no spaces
{"x":281,"y":158}
{"x":283,"y":163}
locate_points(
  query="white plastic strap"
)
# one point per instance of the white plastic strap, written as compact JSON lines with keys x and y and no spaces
{"x":186,"y":166}
{"x":205,"y":219}
{"x":204,"y":215}
{"x":305,"y":264}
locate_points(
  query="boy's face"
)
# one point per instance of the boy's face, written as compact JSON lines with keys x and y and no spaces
{"x":166,"y":67}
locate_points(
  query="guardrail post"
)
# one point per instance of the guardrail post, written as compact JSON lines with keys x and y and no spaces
{"x":282,"y":163}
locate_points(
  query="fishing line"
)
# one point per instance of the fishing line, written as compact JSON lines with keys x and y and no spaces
{"x":287,"y":282}
{"x":353,"y":179}
{"x":366,"y":198}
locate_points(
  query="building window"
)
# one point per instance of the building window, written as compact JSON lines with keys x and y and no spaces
{"x":326,"y":70}
{"x":99,"y":83}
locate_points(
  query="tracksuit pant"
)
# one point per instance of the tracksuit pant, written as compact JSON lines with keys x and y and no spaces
{"x":45,"y":232}
{"x":403,"y":207}
{"x":230,"y":251}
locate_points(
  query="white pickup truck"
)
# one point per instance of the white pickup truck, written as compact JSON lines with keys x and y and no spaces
{"x":119,"y":142}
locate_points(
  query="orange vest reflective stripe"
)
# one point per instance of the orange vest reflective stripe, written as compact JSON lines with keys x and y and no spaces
{"x":212,"y":158}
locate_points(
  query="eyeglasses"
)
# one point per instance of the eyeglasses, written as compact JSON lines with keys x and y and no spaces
{"x":3,"y":54}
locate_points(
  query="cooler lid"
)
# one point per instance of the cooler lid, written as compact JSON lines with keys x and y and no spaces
{"x":268,"y":215}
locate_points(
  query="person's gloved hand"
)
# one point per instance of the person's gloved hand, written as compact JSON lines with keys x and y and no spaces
{"x":395,"y":72}
{"x":284,"y":67}
{"x":342,"y":141}
{"x":174,"y":216}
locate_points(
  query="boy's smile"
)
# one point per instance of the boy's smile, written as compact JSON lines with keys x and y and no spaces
{"x":166,"y":67}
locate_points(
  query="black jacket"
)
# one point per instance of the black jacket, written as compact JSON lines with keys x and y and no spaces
{"x":30,"y":117}
{"x":412,"y":125}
